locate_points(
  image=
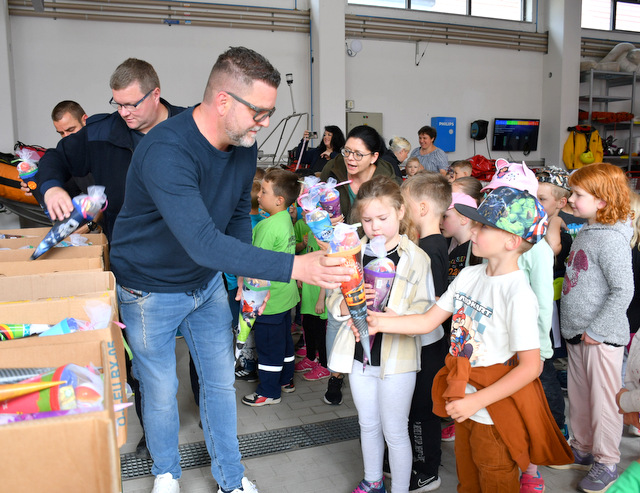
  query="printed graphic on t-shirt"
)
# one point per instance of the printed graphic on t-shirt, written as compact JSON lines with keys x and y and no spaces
{"x":576,"y":263}
{"x":467,"y":325}
{"x":573,"y":229}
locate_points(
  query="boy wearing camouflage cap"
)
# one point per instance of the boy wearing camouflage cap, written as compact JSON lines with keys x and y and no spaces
{"x":489,"y":385}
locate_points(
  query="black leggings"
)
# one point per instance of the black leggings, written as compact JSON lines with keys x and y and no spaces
{"x":315,"y":330}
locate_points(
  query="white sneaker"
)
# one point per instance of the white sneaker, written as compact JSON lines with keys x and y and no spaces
{"x":634,"y":431}
{"x":165,"y":483}
{"x":247,"y":487}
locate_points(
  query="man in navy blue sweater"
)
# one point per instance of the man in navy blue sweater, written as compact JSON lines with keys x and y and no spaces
{"x":105,"y":145}
{"x":184,"y":221}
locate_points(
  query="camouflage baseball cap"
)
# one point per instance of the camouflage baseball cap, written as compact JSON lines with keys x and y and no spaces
{"x":553,"y":175}
{"x":512,"y":210}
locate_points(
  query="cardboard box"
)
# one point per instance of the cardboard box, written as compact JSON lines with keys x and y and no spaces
{"x":32,"y":237}
{"x":51,"y":312}
{"x":18,"y":263}
{"x":68,"y":453}
{"x":55,"y":285}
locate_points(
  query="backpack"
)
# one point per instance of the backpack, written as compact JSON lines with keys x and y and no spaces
{"x":583,"y":146}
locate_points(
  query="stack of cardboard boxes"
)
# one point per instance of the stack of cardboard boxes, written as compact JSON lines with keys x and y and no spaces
{"x":77,"y":452}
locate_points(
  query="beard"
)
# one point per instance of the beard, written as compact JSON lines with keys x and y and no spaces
{"x":242,"y":138}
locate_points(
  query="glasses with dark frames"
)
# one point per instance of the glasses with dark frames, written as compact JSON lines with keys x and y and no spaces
{"x":261,"y":113}
{"x":129,"y":107}
{"x":357,"y":155}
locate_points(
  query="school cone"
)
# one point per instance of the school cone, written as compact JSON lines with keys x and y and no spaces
{"x":354,"y":295}
{"x":17,"y":331}
{"x":13,"y":390}
{"x":254,"y":292}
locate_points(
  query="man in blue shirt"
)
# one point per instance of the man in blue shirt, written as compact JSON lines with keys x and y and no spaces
{"x":185,"y":219}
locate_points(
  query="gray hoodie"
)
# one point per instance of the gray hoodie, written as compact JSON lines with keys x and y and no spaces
{"x":598,"y":284}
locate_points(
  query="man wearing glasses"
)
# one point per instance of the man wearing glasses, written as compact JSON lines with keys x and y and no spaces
{"x":185,"y":220}
{"x":104,"y":147}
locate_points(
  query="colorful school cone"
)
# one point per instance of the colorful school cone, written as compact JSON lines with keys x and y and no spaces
{"x":85,"y":208}
{"x":27,"y":166}
{"x":13,"y":390}
{"x":47,"y":399}
{"x":18,"y":331}
{"x":379,"y":273}
{"x":319,"y":223}
{"x":345,"y":243}
{"x":254,"y":292}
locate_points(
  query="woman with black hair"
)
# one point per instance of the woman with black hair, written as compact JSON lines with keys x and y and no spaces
{"x":316,"y":158}
{"x":358,"y":161}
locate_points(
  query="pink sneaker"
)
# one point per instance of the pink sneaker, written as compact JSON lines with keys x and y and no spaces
{"x":305,"y":364}
{"x":301,"y":352}
{"x":318,"y":373}
{"x":531,"y":484}
{"x":449,"y":433}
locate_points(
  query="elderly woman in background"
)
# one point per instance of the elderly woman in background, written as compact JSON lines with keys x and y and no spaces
{"x":431,"y":158}
{"x":398,"y":151}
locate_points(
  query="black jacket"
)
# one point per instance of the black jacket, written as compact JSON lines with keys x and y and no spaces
{"x":104,"y":148}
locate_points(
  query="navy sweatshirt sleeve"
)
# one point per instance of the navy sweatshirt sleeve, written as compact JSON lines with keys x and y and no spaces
{"x":182,"y":195}
{"x":68,"y":159}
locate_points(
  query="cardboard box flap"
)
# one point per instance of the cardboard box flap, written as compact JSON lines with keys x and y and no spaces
{"x":55,"y":285}
{"x":53,"y":254}
{"x":30,"y":267}
{"x":53,"y":310}
{"x":34,"y":241}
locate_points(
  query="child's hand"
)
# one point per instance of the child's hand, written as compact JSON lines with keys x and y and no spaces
{"x":337,"y":219}
{"x":324,"y":246}
{"x":389,"y":311}
{"x":376,"y":321}
{"x":319,"y":307}
{"x":299,"y":284}
{"x":462,"y":409}
{"x":264,"y":304}
{"x":369,"y":293}
{"x":588,"y":340}
{"x":618,"y":395}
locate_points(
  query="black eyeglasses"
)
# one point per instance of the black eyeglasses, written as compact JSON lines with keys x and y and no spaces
{"x":357,"y":155}
{"x":261,"y":113}
{"x":129,"y":107}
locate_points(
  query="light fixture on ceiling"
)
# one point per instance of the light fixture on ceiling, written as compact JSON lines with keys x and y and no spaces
{"x":354,"y":47}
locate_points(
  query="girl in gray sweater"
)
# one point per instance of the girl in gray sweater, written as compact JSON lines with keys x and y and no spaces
{"x":597,"y":289}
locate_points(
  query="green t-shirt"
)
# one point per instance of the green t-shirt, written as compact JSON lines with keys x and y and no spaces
{"x":310,"y":292}
{"x":628,"y":481}
{"x":276,"y":234}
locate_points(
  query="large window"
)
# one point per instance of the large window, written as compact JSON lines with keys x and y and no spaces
{"x":619,"y":15}
{"x":497,"y":9}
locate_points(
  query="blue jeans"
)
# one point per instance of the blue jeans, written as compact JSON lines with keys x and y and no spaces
{"x":203,"y":317}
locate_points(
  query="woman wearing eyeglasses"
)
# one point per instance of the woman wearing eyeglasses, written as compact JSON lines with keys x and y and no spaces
{"x":359,"y":161}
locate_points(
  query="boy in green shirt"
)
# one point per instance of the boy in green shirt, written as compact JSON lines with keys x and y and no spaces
{"x":272,"y":329}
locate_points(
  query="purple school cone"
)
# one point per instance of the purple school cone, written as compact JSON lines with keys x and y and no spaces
{"x":381,"y":282}
{"x":330,"y":202}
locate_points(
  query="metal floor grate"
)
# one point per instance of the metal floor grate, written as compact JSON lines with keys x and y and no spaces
{"x":193,"y":455}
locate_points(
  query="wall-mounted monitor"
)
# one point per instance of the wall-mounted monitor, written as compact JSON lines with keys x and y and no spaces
{"x":515,"y":135}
